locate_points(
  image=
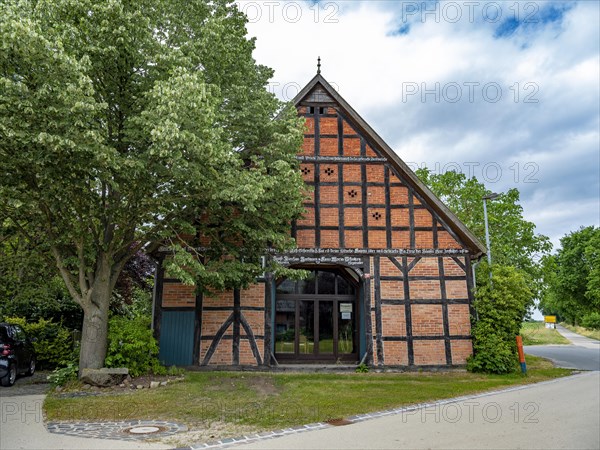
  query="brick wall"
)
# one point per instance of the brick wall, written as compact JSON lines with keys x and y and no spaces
{"x":177,"y":295}
{"x":254,"y":297}
{"x":461,"y":350}
{"x":430,"y":352}
{"x":393,"y":320}
{"x":428,"y":294}
{"x":212,"y":320}
{"x":223,"y":356}
{"x":427,"y":320}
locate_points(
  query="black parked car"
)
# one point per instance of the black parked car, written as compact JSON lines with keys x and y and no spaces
{"x":16,"y":354}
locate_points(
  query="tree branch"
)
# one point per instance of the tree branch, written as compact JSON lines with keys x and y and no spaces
{"x":83,"y":283}
{"x":127,"y":250}
{"x":64,"y":272}
{"x":66,"y":276}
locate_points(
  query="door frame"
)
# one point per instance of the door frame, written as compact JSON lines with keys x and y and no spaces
{"x":316,"y":357}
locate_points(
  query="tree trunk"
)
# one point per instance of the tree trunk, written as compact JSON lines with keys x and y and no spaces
{"x":94,"y":333}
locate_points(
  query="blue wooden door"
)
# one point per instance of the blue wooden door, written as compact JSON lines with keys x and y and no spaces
{"x":177,"y":338}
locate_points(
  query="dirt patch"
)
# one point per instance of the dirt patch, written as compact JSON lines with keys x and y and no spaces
{"x":215,"y":431}
{"x":223,"y":384}
{"x":264,"y":386}
{"x":339,"y":422}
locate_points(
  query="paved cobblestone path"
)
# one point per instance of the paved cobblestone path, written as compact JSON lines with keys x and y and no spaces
{"x":133,"y":430}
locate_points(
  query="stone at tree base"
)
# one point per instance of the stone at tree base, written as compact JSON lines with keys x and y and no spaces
{"x":154,"y":384}
{"x":104,"y":377}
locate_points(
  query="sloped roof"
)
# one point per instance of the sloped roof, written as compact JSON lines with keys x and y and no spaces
{"x":318,"y":90}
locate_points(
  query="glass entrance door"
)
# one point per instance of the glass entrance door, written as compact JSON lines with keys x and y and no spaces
{"x":315,"y":319}
{"x":325,"y":340}
{"x":346,"y":343}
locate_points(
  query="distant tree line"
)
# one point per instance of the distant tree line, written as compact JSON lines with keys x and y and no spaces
{"x":572,"y":279}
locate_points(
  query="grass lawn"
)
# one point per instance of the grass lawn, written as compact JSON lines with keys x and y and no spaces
{"x":257,"y":401}
{"x":534,"y":333}
{"x":594,"y":334}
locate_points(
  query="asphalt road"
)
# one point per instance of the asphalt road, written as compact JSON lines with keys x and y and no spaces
{"x":584,"y":353}
{"x":567,"y":355}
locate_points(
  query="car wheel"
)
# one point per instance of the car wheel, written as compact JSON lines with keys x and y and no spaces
{"x":10,"y":377}
{"x":31,"y":369}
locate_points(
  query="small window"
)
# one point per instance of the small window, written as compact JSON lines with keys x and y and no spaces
{"x":307,"y":286}
{"x":311,"y":110}
{"x":287,"y":287}
{"x":322,"y":111}
{"x":344,"y":287}
{"x":326,"y":283}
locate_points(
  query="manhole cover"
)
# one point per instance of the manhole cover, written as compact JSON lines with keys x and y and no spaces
{"x":144,"y":430}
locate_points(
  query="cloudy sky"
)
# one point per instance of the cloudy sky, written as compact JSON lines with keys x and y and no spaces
{"x":506,"y":91}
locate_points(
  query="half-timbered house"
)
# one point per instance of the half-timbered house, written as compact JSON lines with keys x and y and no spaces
{"x":390,"y":267}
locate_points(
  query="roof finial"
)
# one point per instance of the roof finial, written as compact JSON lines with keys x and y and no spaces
{"x":318,"y":65}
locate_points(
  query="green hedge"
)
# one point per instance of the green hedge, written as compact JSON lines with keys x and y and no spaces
{"x":501,"y":306}
{"x":591,"y":321}
{"x":53,"y":343}
{"x":132,"y":345}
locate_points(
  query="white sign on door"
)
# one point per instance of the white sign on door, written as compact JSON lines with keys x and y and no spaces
{"x":345,"y":307}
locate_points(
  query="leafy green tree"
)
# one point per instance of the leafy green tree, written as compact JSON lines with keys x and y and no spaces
{"x":28,"y":286}
{"x":591,"y":320}
{"x":501,"y":304}
{"x":127,"y":124}
{"x":512,"y":238}
{"x":572,"y":276}
{"x":591,"y":255}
